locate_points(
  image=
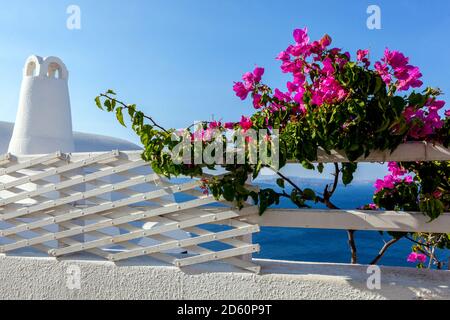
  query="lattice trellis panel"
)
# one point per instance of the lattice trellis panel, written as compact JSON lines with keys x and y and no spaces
{"x":112,"y":205}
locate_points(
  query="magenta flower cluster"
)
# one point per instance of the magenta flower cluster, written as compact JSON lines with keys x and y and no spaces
{"x":423,"y":122}
{"x":250,"y":80}
{"x":415,"y":257}
{"x":303,"y":59}
{"x":300,"y":59}
{"x":396,"y":176}
{"x":314,"y":67}
{"x":395,"y":65}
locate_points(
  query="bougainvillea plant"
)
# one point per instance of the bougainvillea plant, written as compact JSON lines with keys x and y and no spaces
{"x":331,"y":102}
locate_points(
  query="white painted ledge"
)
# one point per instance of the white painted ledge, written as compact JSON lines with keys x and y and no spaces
{"x":351,"y":220}
{"x":46,"y":278}
{"x":409,"y":151}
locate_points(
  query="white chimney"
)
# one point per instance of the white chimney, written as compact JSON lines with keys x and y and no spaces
{"x":44,"y":122}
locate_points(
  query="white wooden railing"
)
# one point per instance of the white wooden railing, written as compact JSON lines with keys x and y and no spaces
{"x":112,"y":206}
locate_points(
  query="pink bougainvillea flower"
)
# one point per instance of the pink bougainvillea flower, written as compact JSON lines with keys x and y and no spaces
{"x":437,"y":194}
{"x":328,"y":91}
{"x":387,"y":183}
{"x":447,"y":113}
{"x":281,"y":96}
{"x":246,"y":123}
{"x":410,"y":112}
{"x":434,"y":121}
{"x":361,"y":56}
{"x":415,"y":257}
{"x":299,"y":79}
{"x":301,"y":36}
{"x":258,"y":73}
{"x":241,"y":91}
{"x":250,"y":79}
{"x":317,"y":47}
{"x":421,"y":258}
{"x":383,"y":71}
{"x":412,"y":258}
{"x":395,"y":169}
{"x":409,"y":78}
{"x":229,"y":125}
{"x":341,"y":61}
{"x":379,"y":185}
{"x":301,"y":109}
{"x":390,"y":181}
{"x":325,"y":41}
{"x":299,"y":97}
{"x":317,"y":98}
{"x":257,"y":101}
{"x":423,"y":124}
{"x":395,"y":59}
{"x":215,"y":124}
{"x":287,"y":66}
{"x":370,"y":206}
{"x":328,"y":67}
{"x":283,"y":56}
{"x":408,"y":180}
{"x":299,"y":50}
{"x":335,"y":51}
{"x":292,"y":87}
{"x":435,"y":105}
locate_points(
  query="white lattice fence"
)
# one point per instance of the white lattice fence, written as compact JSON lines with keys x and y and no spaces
{"x":111,"y":205}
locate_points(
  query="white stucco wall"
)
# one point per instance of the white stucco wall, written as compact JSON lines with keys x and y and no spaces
{"x":46,"y":278}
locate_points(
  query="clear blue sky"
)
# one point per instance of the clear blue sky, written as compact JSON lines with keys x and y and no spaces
{"x":178,"y":59}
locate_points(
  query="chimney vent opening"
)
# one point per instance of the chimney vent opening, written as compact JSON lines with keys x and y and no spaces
{"x":54,"y":71}
{"x":31,"y":69}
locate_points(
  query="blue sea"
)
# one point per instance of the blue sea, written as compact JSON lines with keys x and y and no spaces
{"x":314,"y":245}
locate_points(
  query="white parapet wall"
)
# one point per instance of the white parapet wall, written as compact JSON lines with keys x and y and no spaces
{"x":143,"y":278}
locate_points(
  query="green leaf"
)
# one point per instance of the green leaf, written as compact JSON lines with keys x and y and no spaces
{"x":320,"y":167}
{"x":297,"y":199}
{"x":98,"y":102}
{"x":228,"y":192}
{"x":255,"y":197}
{"x":242,"y":190}
{"x":309,"y":194}
{"x":107,"y":105}
{"x":378,"y":84}
{"x":132,"y":110}
{"x":307,"y":165}
{"x":348,"y":169}
{"x":267,"y":197}
{"x":119,"y":116}
{"x":280,"y":183}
